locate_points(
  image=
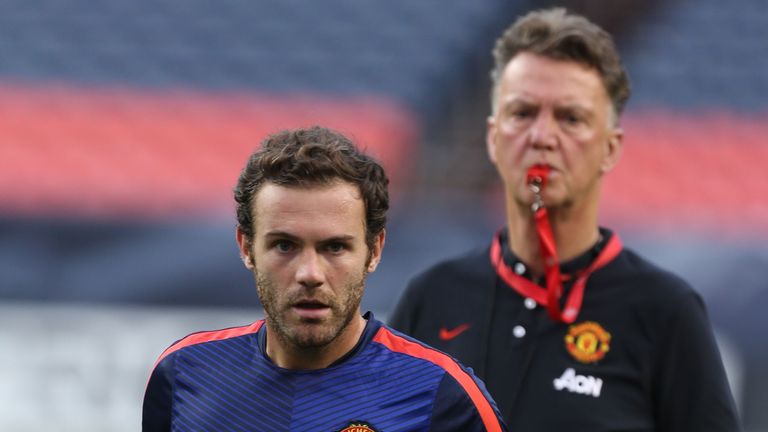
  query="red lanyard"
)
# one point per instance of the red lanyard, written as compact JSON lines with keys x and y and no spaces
{"x":527,"y":288}
{"x":550,"y":297}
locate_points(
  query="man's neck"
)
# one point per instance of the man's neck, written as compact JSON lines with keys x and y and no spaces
{"x":574,"y":231}
{"x":289,"y":356}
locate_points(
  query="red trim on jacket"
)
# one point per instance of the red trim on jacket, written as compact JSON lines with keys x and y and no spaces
{"x":405,"y":346}
{"x":209,"y":336}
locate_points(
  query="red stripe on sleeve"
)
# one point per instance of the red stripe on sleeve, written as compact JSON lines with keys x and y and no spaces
{"x":209,"y":336}
{"x":402,"y":345}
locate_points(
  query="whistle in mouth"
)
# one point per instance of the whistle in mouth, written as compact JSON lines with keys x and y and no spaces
{"x":537,"y":179}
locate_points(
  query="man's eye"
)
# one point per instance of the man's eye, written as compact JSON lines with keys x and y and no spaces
{"x":335,"y":247}
{"x":521,"y":114}
{"x":571,"y":118}
{"x":283,"y":246}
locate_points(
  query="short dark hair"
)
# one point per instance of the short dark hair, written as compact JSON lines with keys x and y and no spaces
{"x":313,"y":156}
{"x":557,"y":34}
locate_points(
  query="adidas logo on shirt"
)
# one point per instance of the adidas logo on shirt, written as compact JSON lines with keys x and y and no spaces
{"x":581,"y":384}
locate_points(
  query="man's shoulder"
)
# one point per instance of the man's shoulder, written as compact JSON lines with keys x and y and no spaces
{"x":463,"y":283}
{"x":402,"y":344}
{"x":637,"y":271}
{"x":200,"y":338}
{"x":459,"y":388}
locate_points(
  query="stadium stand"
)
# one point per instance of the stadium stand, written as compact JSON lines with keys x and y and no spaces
{"x":123,"y":126}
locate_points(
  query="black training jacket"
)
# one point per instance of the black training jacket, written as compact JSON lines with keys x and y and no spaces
{"x":640,"y":355}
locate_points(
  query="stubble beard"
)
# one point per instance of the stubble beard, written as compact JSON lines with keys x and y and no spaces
{"x":309,"y":334}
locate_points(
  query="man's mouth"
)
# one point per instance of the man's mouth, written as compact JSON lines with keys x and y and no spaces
{"x":538,"y":174}
{"x":311,"y":309}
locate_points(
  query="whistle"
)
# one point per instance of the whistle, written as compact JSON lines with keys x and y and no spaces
{"x":537,"y":179}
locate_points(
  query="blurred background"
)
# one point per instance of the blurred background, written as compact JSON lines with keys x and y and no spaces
{"x":124,"y":125}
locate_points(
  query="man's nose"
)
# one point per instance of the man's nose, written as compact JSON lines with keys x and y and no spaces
{"x":543,"y":132}
{"x":309,"y":272}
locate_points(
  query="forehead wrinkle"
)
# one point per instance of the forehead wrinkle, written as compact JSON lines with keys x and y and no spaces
{"x":526,"y":70}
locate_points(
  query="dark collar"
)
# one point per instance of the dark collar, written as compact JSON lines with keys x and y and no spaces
{"x":372,"y":325}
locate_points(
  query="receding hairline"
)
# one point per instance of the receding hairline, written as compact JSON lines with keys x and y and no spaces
{"x":521,"y":97}
{"x":560,"y":34}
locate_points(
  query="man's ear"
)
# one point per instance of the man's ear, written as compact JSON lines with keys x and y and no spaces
{"x":613,"y":148}
{"x":378,"y":246}
{"x":244,"y":244}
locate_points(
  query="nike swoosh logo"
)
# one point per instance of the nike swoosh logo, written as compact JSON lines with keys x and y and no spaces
{"x":447,"y":335}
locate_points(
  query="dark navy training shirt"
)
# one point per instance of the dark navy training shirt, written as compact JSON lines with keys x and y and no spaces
{"x":223,"y":381}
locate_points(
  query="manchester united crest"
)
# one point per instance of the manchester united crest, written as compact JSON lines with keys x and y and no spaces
{"x":587,"y":342}
{"x":358,"y":426}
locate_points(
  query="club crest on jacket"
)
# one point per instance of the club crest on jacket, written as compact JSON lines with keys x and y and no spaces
{"x":587,"y":341}
{"x":358,"y":426}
